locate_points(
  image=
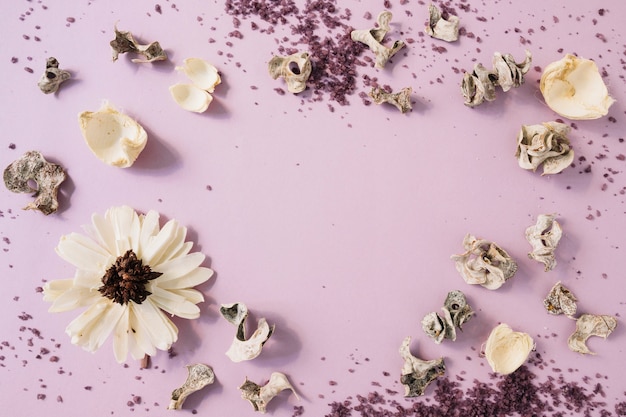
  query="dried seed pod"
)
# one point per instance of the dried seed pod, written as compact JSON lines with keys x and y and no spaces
{"x":52,"y":77}
{"x":242,"y":349}
{"x":199,"y":376}
{"x":125,"y":42}
{"x":560,"y":300}
{"x":32,"y":166}
{"x":544,"y":237}
{"x":438,"y":327}
{"x":401,"y":99}
{"x":589,"y":325}
{"x":416,"y":373}
{"x":295,"y":69}
{"x":455,"y":312}
{"x":201,"y":73}
{"x":440,"y":28}
{"x":546,"y":144}
{"x":460,"y":311}
{"x":190,"y":97}
{"x":484,"y":263}
{"x":373,"y":38}
{"x":507,"y":350}
{"x":259,"y":396}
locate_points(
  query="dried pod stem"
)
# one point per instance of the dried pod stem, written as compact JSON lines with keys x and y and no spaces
{"x":401,"y":99}
{"x":295,"y":69}
{"x":373,"y":38}
{"x":259,"y":396}
{"x":440,"y":28}
{"x":52,"y":77}
{"x":125,"y":42}
{"x":416,"y":373}
{"x":199,"y":376}
{"x":243,"y":349}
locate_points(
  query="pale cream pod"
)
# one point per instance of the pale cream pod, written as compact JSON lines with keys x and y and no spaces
{"x":190,"y":97}
{"x":506,"y":350}
{"x":203,"y":74}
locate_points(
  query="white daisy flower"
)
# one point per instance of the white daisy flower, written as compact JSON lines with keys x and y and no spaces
{"x":128,"y":273}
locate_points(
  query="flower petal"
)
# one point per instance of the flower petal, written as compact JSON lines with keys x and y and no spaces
{"x":92,"y":327}
{"x":192,"y":295}
{"x":120,"y":336}
{"x":158,"y":245}
{"x":160,"y":330}
{"x":74,"y":297}
{"x":193,"y":278}
{"x":149,"y":229}
{"x":178,"y":267}
{"x":174,"y":304}
{"x":140,"y":343}
{"x":84,"y":253}
{"x":126,"y":227}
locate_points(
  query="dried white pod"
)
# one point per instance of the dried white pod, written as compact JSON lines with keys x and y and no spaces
{"x":32,"y":166}
{"x":506,"y":350}
{"x":52,"y":77}
{"x":373,"y":38}
{"x":547,"y":144}
{"x":484,"y":263}
{"x":295,"y":69}
{"x":440,"y":28}
{"x":416,"y":373}
{"x":573,"y":88}
{"x":560,"y":300}
{"x":588,"y":325}
{"x":259,"y":396}
{"x":437,"y":327}
{"x":199,"y":376}
{"x":401,"y":100}
{"x":544,"y":237}
{"x":201,"y":73}
{"x":125,"y":42}
{"x":112,"y":136}
{"x":190,"y":97}
{"x":243,"y":349}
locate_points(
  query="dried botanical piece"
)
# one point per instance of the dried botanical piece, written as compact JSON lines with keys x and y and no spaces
{"x":507,"y":350}
{"x":440,"y":28}
{"x":417,"y":374}
{"x":456,"y":311}
{"x":484,"y":263}
{"x":124,"y":42}
{"x":480,"y":85}
{"x":401,"y":99}
{"x":32,"y":166}
{"x":190,"y":97}
{"x":52,"y":77}
{"x":589,"y":325}
{"x":199,"y":376}
{"x":373,"y":38}
{"x":113,"y":137}
{"x":573,"y":88}
{"x":259,"y":396}
{"x":560,"y":300}
{"x":243,"y":349}
{"x":545,"y":144}
{"x":544,"y":237}
{"x":201,"y":73}
{"x":130,"y":272}
{"x":295,"y":69}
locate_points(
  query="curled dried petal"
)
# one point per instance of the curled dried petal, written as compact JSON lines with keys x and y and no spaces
{"x":199,"y":376}
{"x":373,"y":38}
{"x":506,"y":350}
{"x":243,"y":349}
{"x":416,"y":373}
{"x":440,"y":28}
{"x":589,"y":325}
{"x":295,"y":69}
{"x":401,"y":99}
{"x":546,"y":144}
{"x":560,"y":300}
{"x":544,"y":237}
{"x":259,"y":396}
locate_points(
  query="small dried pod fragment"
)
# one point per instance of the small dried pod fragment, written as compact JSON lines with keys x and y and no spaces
{"x":416,"y":373}
{"x":295,"y":69}
{"x":201,"y":73}
{"x":401,"y":99}
{"x":506,"y":350}
{"x":199,"y":376}
{"x":460,"y":311}
{"x":544,"y":237}
{"x":190,"y":97}
{"x":438,"y":328}
{"x":546,"y":144}
{"x":455,"y":312}
{"x":259,"y":396}
{"x":573,"y":88}
{"x":113,"y":137}
{"x":373,"y":38}
{"x":125,"y":42}
{"x":440,"y":28}
{"x":589,"y":325}
{"x":32,"y":166}
{"x":484,"y":263}
{"x":243,"y":349}
{"x":560,"y":300}
{"x":52,"y":77}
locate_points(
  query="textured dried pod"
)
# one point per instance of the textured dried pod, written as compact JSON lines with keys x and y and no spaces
{"x":544,"y":236}
{"x":455,"y":312}
{"x":52,"y":77}
{"x":460,"y":311}
{"x":201,"y":73}
{"x":589,"y":325}
{"x":199,"y":376}
{"x":440,"y":28}
{"x":32,"y":166}
{"x":507,"y":350}
{"x":295,"y":69}
{"x":437,"y":327}
{"x":243,"y":349}
{"x":125,"y":42}
{"x":259,"y":396}
{"x":190,"y":97}
{"x":373,"y":38}
{"x":416,"y":373}
{"x":484,"y":263}
{"x":113,"y":137}
{"x":573,"y":88}
{"x":546,"y":144}
{"x":560,"y":300}
{"x":401,"y":99}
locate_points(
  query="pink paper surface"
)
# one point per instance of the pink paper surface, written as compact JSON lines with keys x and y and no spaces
{"x":334,"y":222}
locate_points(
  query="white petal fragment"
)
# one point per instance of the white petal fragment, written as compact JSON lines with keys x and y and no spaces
{"x":507,"y":350}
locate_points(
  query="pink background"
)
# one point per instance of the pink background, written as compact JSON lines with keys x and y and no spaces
{"x":336,"y":226}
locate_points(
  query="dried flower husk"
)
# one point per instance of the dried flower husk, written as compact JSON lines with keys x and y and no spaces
{"x":202,"y":74}
{"x":199,"y":376}
{"x":52,"y":77}
{"x":455,"y":312}
{"x":544,"y":237}
{"x":259,"y":396}
{"x":416,"y":373}
{"x":295,"y":69}
{"x":32,"y":166}
{"x":373,"y":38}
{"x":243,"y":349}
{"x":547,"y":144}
{"x":112,"y":136}
{"x":560,"y":300}
{"x":440,"y":28}
{"x":125,"y":42}
{"x":506,"y":350}
{"x":588,"y":325}
{"x":484,"y":263}
{"x":401,"y":100}
{"x":573,"y":88}
{"x":190,"y":97}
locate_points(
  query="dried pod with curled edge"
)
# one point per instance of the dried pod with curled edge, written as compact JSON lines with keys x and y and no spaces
{"x":506,"y":350}
{"x":32,"y":166}
{"x":416,"y":373}
{"x":544,"y":236}
{"x":190,"y":97}
{"x":560,"y":300}
{"x":199,"y":376}
{"x":125,"y":42}
{"x":440,"y":28}
{"x":547,"y":144}
{"x":373,"y":38}
{"x":295,"y":69}
{"x":202,"y":74}
{"x":52,"y":77}
{"x":589,"y":325}
{"x":455,"y":312}
{"x":259,"y":396}
{"x":401,"y":100}
{"x":243,"y":349}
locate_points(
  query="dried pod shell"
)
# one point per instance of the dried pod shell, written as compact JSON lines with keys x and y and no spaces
{"x":201,"y":73}
{"x":589,"y":325}
{"x":52,"y":77}
{"x":401,"y":99}
{"x":190,"y":97}
{"x":125,"y":42}
{"x":560,"y":300}
{"x":295,"y":69}
{"x":460,"y":311}
{"x":416,"y":373}
{"x":259,"y":396}
{"x":573,"y":88}
{"x":373,"y":38}
{"x":544,"y":237}
{"x":199,"y":376}
{"x":438,"y":327}
{"x":455,"y":312}
{"x":113,"y":137}
{"x":507,"y":350}
{"x":440,"y":28}
{"x":546,"y":144}
{"x":243,"y":349}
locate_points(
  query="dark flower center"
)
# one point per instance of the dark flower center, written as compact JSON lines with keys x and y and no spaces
{"x":126,"y":279}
